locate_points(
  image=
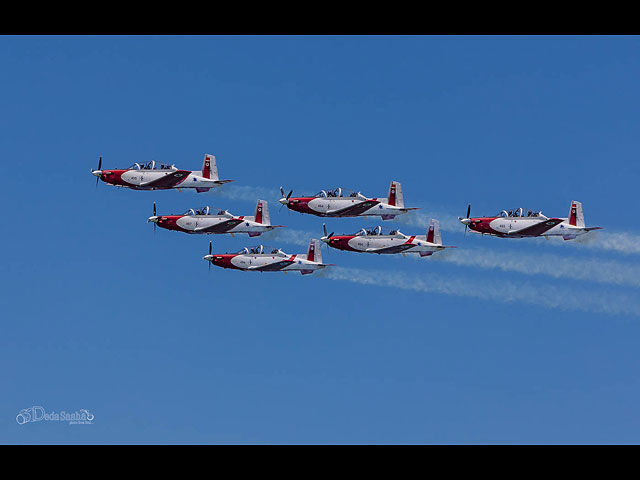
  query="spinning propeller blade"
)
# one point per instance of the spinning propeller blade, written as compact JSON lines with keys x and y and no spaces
{"x":468,"y":213}
{"x":283,"y":200}
{"x":100,"y":169}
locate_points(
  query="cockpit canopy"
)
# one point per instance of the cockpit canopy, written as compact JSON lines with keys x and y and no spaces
{"x":377,"y":231}
{"x":261,"y":249}
{"x":520,"y":212}
{"x":152,"y":165}
{"x":206,"y":210}
{"x":337,"y":192}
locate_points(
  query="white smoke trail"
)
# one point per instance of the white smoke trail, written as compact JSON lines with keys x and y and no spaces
{"x":554,"y":297}
{"x":593,"y":270}
{"x":246,"y":193}
{"x":290,"y":236}
{"x":448,"y":223}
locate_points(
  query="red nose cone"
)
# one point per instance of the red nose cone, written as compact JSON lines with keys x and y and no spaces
{"x":341,"y":242}
{"x":481,"y":225}
{"x":169,"y":222}
{"x":300,"y":205}
{"x":223,"y":261}
{"x":113,"y":177}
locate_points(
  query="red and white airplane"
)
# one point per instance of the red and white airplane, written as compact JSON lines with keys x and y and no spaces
{"x":344,"y":203}
{"x":517,"y":224}
{"x":261,"y":259}
{"x":205,"y":222}
{"x":373,"y":241}
{"x":158,"y":176}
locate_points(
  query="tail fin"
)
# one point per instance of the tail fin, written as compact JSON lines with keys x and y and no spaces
{"x":433,"y":233}
{"x":576,"y":217}
{"x":262,"y":213}
{"x":210,"y":167}
{"x":395,"y":194}
{"x":314,"y":254}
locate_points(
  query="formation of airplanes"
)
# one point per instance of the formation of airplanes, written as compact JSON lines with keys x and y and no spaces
{"x":336,"y":203}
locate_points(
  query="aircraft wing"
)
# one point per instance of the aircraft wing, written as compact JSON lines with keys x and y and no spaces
{"x":168,"y":181}
{"x":272,"y":267}
{"x":393,"y":249}
{"x":537,"y":229}
{"x":222,"y":227}
{"x":353,"y":210}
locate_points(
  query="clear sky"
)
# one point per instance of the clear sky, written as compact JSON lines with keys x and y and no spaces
{"x":499,"y":341}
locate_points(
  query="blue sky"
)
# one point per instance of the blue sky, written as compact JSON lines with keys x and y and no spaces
{"x":478,"y":346}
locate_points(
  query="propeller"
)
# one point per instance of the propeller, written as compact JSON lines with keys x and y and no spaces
{"x":284,"y":199}
{"x":466,"y":220}
{"x":98,"y":171}
{"x":468,"y":216}
{"x":209,"y":257}
{"x":326,"y":237}
{"x":154,"y":218}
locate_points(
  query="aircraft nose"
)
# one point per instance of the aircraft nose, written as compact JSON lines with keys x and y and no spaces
{"x":153,"y":219}
{"x":324,"y":239}
{"x":464,"y":221}
{"x":96,"y":173}
{"x":208,"y":258}
{"x":283,"y":201}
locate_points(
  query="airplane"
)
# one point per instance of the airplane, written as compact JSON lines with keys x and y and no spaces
{"x":205,"y":222}
{"x":154,"y":176}
{"x":262,"y":259}
{"x":515,"y":224}
{"x":373,"y":241}
{"x":346,"y":203}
